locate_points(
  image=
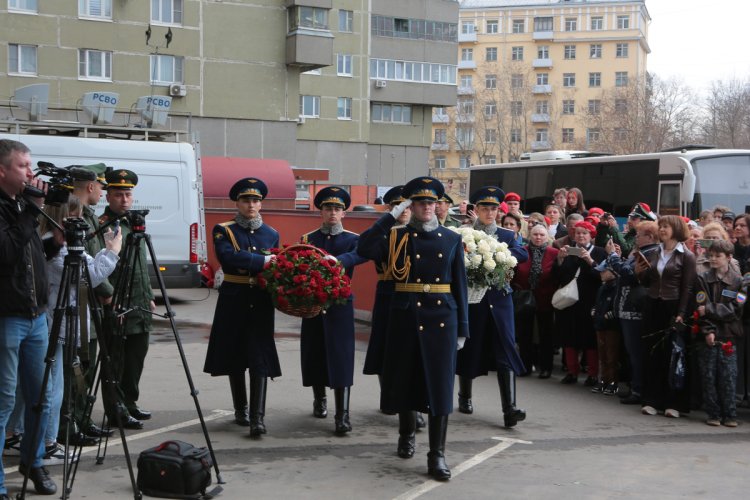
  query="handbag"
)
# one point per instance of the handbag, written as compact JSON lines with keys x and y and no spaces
{"x":175,"y":469}
{"x":567,"y":295}
{"x":524,"y":302}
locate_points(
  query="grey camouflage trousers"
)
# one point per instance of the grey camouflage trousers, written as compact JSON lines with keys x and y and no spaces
{"x":719,"y":380}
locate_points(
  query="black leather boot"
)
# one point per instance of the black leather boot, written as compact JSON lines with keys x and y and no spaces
{"x":239,"y":399}
{"x":407,"y":429}
{"x":506,"y":379}
{"x":320,"y":404}
{"x":464,"y":395}
{"x":437,"y":429}
{"x":258,"y":386}
{"x":421,"y":424}
{"x":341,"y":418}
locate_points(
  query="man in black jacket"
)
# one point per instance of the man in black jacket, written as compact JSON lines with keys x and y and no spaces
{"x":23,"y":322}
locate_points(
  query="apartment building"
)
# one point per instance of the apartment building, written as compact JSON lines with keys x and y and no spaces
{"x":536,"y":75}
{"x":342,"y":85}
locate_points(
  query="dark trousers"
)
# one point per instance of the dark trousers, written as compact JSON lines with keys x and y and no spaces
{"x":538,"y":354}
{"x":631,"y":336}
{"x":608,"y":343}
{"x":135,"y":348}
{"x":719,"y":380}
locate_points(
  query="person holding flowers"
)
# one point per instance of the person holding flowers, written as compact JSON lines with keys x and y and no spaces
{"x":427,"y":319}
{"x":492,"y":345}
{"x":327,"y":340}
{"x":242,"y":331}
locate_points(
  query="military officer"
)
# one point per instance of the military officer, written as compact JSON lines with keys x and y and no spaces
{"x":136,"y":324}
{"x":242,"y":331}
{"x":443,"y":215}
{"x":427,"y":320}
{"x":327,"y":340}
{"x":492,"y":345}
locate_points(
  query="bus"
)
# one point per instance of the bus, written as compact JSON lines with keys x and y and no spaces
{"x":683,"y":182}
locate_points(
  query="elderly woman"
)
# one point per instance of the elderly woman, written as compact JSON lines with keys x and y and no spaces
{"x":669,"y":273}
{"x":712,"y":231}
{"x":539,"y":276}
{"x":575,"y":323}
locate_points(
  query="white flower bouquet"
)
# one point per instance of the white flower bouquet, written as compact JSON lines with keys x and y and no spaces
{"x":488,"y":262}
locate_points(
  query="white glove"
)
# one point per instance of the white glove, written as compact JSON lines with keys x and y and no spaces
{"x":399,"y":209}
{"x":461,"y":341}
{"x":268,"y":258}
{"x":331,"y":258}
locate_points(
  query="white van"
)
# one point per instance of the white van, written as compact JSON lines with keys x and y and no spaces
{"x":170,"y":186}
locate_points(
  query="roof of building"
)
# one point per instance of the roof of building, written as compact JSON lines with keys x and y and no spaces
{"x":478,"y":4}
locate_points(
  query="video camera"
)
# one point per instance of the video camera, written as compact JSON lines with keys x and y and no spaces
{"x":60,"y":182}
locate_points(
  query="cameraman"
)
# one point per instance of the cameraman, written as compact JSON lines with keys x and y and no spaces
{"x":23,"y":323}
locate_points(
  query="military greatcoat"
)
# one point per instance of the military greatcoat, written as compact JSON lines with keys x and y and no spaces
{"x":379,"y":322}
{"x":327,"y":340}
{"x":428,"y":311}
{"x":242,"y":331}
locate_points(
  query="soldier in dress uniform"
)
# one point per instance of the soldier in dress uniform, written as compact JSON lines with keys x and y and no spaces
{"x":427,"y":320}
{"x":443,"y":215}
{"x":327,"y":340}
{"x":242,"y":331}
{"x":133,"y":348}
{"x":492,"y":345}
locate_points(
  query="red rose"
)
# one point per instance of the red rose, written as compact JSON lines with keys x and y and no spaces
{"x":282,"y":301}
{"x":303,"y":267}
{"x":322,"y":297}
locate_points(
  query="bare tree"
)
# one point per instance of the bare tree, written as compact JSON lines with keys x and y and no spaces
{"x":726,"y":122}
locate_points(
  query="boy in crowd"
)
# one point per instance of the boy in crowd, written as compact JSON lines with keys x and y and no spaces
{"x":607,"y":331}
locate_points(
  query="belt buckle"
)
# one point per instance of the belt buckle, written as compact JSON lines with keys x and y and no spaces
{"x":426,"y":288}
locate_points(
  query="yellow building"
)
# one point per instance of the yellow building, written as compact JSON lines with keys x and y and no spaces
{"x":536,"y":75}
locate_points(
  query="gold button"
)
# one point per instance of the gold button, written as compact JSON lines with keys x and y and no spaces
{"x":419,"y":280}
{"x":419,"y":304}
{"x":418,"y":256}
{"x":414,"y":234}
{"x":442,"y":325}
{"x":421,"y":328}
{"x":439,"y":302}
{"x":426,"y":288}
{"x":437,"y":280}
{"x":440,"y":256}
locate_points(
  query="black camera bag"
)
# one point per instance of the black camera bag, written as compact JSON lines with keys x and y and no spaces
{"x":175,"y":469}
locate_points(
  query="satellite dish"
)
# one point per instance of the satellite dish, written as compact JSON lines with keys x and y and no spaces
{"x":33,"y":98}
{"x":154,"y":109}
{"x":100,"y":106}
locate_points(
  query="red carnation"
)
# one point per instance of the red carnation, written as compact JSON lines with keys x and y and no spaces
{"x":728,"y":348}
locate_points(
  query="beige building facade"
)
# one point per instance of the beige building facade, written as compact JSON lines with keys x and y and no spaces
{"x":534,"y":75}
{"x":284,"y":79}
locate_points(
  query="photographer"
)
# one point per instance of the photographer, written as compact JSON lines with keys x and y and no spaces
{"x":23,"y":324}
{"x":120,"y":184}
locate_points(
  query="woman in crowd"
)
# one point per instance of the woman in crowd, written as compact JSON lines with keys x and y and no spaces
{"x":539,"y":276}
{"x":669,"y":273}
{"x":560,"y":198}
{"x":705,"y":217}
{"x":574,"y":202}
{"x":513,"y":222}
{"x":575,"y":323}
{"x":537,"y":219}
{"x":556,"y":228}
{"x":712,"y":231}
{"x":742,"y":241}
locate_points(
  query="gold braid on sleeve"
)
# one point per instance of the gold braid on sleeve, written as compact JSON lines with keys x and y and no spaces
{"x":394,"y":250}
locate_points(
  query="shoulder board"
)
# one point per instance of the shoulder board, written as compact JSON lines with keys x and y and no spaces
{"x":103,"y":218}
{"x":351,"y":232}
{"x":227,"y":224}
{"x":306,"y":235}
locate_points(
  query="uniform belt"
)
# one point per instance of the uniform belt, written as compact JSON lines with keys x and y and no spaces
{"x":383,"y":277}
{"x":240,"y":279}
{"x":423,"y":288}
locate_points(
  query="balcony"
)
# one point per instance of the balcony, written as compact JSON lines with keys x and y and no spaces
{"x":540,"y":118}
{"x":439,"y":146}
{"x":309,"y":49}
{"x":467,"y":65}
{"x":466,"y":91}
{"x":440,"y":118}
{"x":542,"y":35}
{"x":467,"y":37}
{"x":539,"y":145}
{"x":464,"y":118}
{"x":541,"y":89}
{"x":542,"y":63}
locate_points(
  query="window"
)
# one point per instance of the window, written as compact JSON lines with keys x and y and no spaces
{"x":516,"y":108}
{"x":595,"y":79}
{"x":491,"y":54}
{"x":466,"y":81}
{"x":490,"y":136}
{"x":516,"y":53}
{"x":569,"y":79}
{"x":418,"y":29}
{"x":595,"y":51}
{"x":466,"y":106}
{"x":410,"y":71}
{"x":622,"y":49}
{"x":621,"y":134}
{"x":516,"y":81}
{"x":467,"y":54}
{"x":439,"y":111}
{"x":569,"y":107}
{"x":568,"y":135}
{"x":623,"y":22}
{"x":468,"y":28}
{"x":593,"y":135}
{"x":571,"y":24}
{"x":346,"y":20}
{"x":464,"y":162}
{"x":597,"y":23}
{"x":542,"y":135}
{"x":490,"y":110}
{"x":439,"y":162}
{"x":95,"y":65}
{"x":490,"y":81}
{"x":570,"y":52}
{"x":391,"y":113}
{"x":344,"y":108}
{"x":463,"y":186}
{"x":400,"y":27}
{"x":95,"y":8}
{"x":303,"y":17}
{"x":621,"y":106}
{"x":344,"y":64}
{"x":166,"y":69}
{"x":542,"y":78}
{"x":621,"y":79}
{"x":543,"y":24}
{"x":440,"y":136}
{"x":515,"y":136}
{"x":309,"y":106}
{"x":465,"y":137}
{"x":166,"y":11}
{"x":21,"y":59}
{"x":542,"y":52}
{"x":542,"y":107}
{"x":489,"y":160}
{"x":518,"y":26}
{"x":595,"y":106}
{"x":492,"y":27}
{"x":23,"y":5}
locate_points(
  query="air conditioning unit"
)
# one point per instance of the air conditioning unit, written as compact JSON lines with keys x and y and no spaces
{"x":380,"y":84}
{"x":301,"y":120}
{"x":177,"y":90}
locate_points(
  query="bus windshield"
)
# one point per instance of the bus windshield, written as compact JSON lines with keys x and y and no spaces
{"x":723,"y":180}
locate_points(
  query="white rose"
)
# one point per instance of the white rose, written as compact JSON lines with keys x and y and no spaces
{"x":467,"y":262}
{"x":476,"y":260}
{"x":471,"y":247}
{"x":513,"y":261}
{"x":489,"y":264}
{"x":483,"y":246}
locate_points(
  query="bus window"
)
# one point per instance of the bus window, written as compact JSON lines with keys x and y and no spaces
{"x":723,"y":180}
{"x":669,"y":198}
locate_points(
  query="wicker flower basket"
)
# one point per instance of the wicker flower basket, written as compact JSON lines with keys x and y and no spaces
{"x":301,"y":311}
{"x":476,"y":293}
